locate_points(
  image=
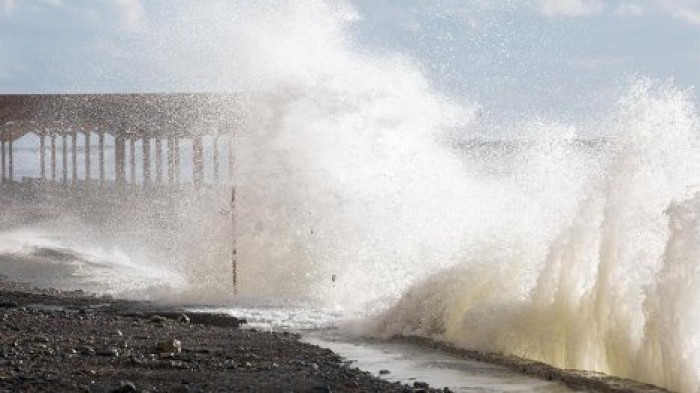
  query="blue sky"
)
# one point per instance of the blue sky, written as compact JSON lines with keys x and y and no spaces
{"x":547,"y":56}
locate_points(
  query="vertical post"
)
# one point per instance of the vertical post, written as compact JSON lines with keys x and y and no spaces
{"x":231,"y":160}
{"x":171,"y":160}
{"x":197,"y":161}
{"x":10,"y":156}
{"x":146,"y":147}
{"x":234,"y":232}
{"x":65,"y":159}
{"x":74,"y":158}
{"x":234,"y":243}
{"x":88,"y":176}
{"x":2,"y":155}
{"x":216,"y":159}
{"x":119,"y":158}
{"x":177,"y":161}
{"x":42,"y":155}
{"x":132,"y":159}
{"x":101,"y":137}
{"x":53,"y":157}
{"x":159,"y":161}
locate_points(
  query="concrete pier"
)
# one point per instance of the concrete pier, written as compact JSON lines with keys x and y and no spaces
{"x":88,"y":158}
{"x":146,"y":157}
{"x":102,"y":158}
{"x":2,"y":157}
{"x":10,"y":158}
{"x":64,"y":155}
{"x":74,"y":158}
{"x":164,"y":124}
{"x":53,"y":157}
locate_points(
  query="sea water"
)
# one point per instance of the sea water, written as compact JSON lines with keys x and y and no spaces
{"x":364,"y":189}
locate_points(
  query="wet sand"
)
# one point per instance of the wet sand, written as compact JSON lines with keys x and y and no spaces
{"x":72,"y":341}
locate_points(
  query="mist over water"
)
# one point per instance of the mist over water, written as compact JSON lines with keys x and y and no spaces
{"x":578,"y":252}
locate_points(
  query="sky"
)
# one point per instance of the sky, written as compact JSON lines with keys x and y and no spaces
{"x":560,"y":57}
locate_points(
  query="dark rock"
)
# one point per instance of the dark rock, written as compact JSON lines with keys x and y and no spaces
{"x":158,"y":319}
{"x":384,"y":372}
{"x":169,"y":346}
{"x":420,"y":385}
{"x":108,"y":352}
{"x":86,"y":350}
{"x":125,"y":387}
{"x":8,"y":305}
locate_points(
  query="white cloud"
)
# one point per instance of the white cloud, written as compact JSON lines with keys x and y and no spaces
{"x":600,"y":62}
{"x":7,"y":7}
{"x":686,"y":10}
{"x":131,"y":13}
{"x":570,"y":8}
{"x":629,"y":9}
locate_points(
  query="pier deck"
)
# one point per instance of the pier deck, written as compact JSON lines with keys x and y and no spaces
{"x":157,"y":123}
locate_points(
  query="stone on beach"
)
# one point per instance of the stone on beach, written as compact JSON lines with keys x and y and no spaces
{"x":169,"y":346}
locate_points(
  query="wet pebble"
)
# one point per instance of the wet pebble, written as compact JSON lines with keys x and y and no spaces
{"x":125,"y":387}
{"x":86,"y":350}
{"x":169,"y":346}
{"x":108,"y":352}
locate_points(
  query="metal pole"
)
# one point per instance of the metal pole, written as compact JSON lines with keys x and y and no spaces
{"x":234,"y":234}
{"x":216,"y":159}
{"x":234,"y":245}
{"x":177,"y":161}
{"x":231,"y":160}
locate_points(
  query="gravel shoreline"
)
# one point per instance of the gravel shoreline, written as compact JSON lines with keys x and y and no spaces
{"x":72,"y":341}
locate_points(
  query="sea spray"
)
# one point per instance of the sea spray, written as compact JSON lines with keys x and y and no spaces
{"x":607,"y":294}
{"x":351,"y":165}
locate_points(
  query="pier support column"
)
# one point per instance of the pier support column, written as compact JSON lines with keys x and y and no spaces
{"x":159,"y":161}
{"x":10,"y":158}
{"x":197,"y":161}
{"x":119,"y":159}
{"x":101,"y":137}
{"x":146,"y":148}
{"x":53,"y":157}
{"x":132,"y":159}
{"x":74,"y":158}
{"x":65,"y":159}
{"x":2,"y":156}
{"x":173,"y":161}
{"x":88,"y":176}
{"x":216,"y":159}
{"x":42,"y":155}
